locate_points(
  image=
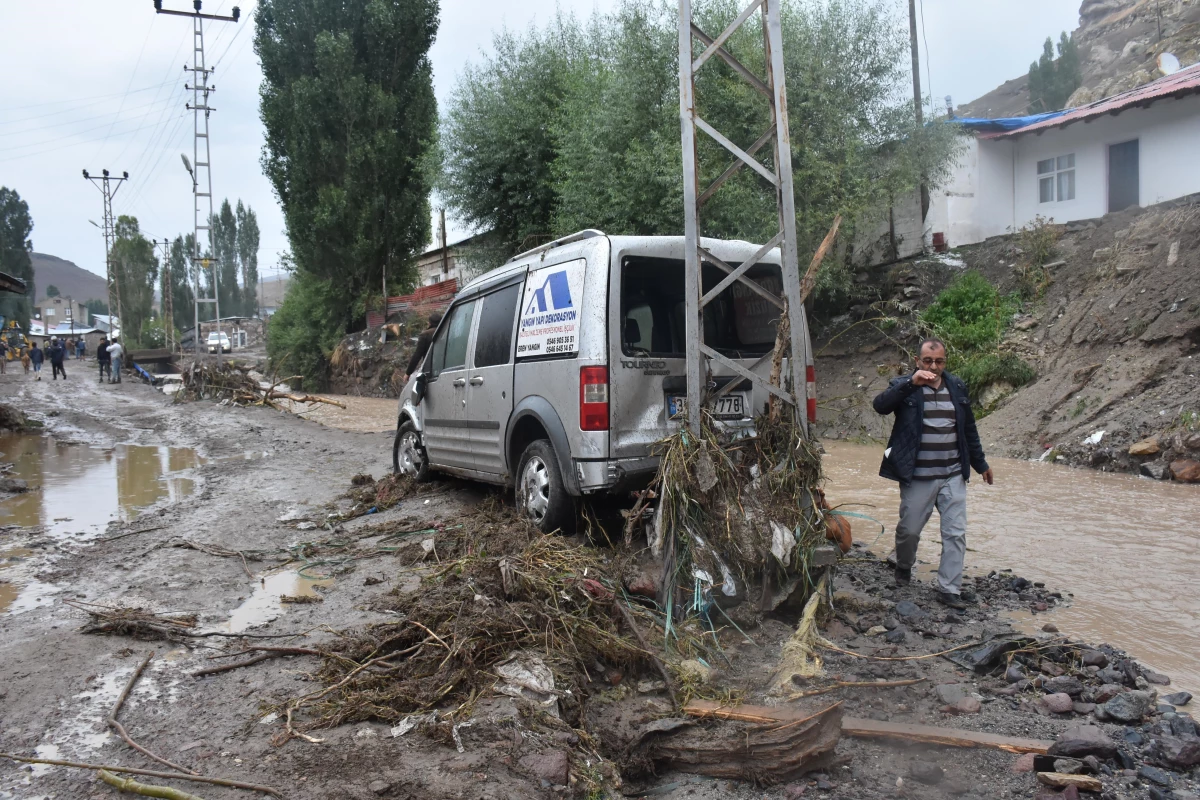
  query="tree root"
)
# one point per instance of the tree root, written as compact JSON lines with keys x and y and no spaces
{"x":150,"y":773}
{"x":120,"y":729}
{"x":145,"y":789}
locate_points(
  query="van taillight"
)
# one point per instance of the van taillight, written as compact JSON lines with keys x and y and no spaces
{"x":810,"y":389}
{"x":593,"y":398}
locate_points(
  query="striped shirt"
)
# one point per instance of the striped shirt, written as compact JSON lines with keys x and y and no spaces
{"x":938,"y":456}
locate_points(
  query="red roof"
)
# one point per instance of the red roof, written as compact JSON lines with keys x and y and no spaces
{"x":1184,"y":82}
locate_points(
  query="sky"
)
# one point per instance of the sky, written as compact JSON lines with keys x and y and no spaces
{"x":100,"y":85}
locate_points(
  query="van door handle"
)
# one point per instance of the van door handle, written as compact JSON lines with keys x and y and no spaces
{"x":477,"y":380}
{"x":461,"y":382}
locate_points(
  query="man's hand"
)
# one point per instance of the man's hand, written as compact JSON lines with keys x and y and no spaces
{"x":405,"y":380}
{"x":924,"y":377}
{"x":987,"y":476}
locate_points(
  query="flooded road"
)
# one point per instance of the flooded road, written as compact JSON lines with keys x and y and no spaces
{"x":1128,"y":548}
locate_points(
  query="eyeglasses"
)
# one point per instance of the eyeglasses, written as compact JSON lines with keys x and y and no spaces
{"x":930,"y":362}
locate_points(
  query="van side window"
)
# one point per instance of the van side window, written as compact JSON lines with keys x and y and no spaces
{"x":450,"y":349}
{"x":493,"y":342}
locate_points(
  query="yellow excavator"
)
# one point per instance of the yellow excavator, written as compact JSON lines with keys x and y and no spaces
{"x":14,"y":337}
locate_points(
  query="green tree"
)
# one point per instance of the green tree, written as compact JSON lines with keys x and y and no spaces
{"x":52,"y":291}
{"x":15,"y":247}
{"x":136,"y":269}
{"x":222,"y":242}
{"x":183,"y":299}
{"x":95,"y":307}
{"x":1052,"y":82}
{"x":247,"y":247}
{"x":347,"y":104}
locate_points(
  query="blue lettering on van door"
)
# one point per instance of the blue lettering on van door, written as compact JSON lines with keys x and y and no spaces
{"x":560,"y":294}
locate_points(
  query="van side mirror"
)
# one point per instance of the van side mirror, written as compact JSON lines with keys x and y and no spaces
{"x":418,"y":390}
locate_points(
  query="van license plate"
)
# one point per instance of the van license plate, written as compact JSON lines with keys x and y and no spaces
{"x":730,"y":406}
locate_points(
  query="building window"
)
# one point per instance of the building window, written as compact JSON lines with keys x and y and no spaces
{"x":1056,"y":179}
{"x":49,"y":312}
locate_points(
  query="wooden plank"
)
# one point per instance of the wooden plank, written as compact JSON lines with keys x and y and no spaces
{"x":930,"y":734}
{"x":763,"y":715}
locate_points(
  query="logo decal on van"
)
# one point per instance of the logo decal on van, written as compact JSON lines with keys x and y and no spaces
{"x":560,"y":294}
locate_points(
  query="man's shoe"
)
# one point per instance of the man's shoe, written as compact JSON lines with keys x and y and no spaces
{"x":903,"y":576}
{"x":951,"y":600}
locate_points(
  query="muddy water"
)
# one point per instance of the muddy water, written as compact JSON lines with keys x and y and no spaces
{"x":1127,"y":547}
{"x":265,"y":604}
{"x":360,"y":415}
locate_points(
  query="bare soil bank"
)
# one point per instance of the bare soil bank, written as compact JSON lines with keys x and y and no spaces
{"x":60,"y":683}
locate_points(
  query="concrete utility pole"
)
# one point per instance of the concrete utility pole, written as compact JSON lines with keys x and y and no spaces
{"x":105,"y":184}
{"x":200,"y":147}
{"x":918,"y":101}
{"x":442,"y":235}
{"x":699,"y":355}
{"x":167,"y":305}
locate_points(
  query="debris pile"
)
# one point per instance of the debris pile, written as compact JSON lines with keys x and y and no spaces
{"x":228,"y":381}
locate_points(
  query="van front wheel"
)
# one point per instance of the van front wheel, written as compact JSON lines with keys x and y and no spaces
{"x":540,"y":492}
{"x":408,"y":456}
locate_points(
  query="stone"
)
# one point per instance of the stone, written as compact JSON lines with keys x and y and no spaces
{"x":1177,"y":752}
{"x":926,"y":772}
{"x":1083,"y":740}
{"x":907,"y":609}
{"x":891,"y":623}
{"x":1146,"y":447}
{"x":1183,"y":725}
{"x":1095,"y":658}
{"x":1128,"y":707}
{"x":1192,"y":441}
{"x":1023,"y":764}
{"x":1059,"y":703}
{"x":1157,"y":678}
{"x":1101,"y":253}
{"x":552,"y":766}
{"x":694,"y":670}
{"x":1050,"y":627}
{"x":1186,"y":470}
{"x":1065,"y":684}
{"x":1026,"y":324}
{"x":1155,"y":775}
{"x":951,"y":693}
{"x":1177,"y":698}
{"x":894,"y":637}
{"x":1068,"y":766}
{"x":1084,"y":708}
{"x":13,"y":485}
{"x":1107,"y":692}
{"x":1155,"y":470}
{"x":1111,"y":675}
{"x":968,"y":705}
{"x":1091,"y":764}
{"x":1014,"y":674}
{"x":1060,"y":780}
{"x":379,"y":787}
{"x":650,"y":687}
{"x":876,"y":630}
{"x":1134,"y":737}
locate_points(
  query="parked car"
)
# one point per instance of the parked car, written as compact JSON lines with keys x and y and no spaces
{"x":219,"y":342}
{"x":558,"y":372}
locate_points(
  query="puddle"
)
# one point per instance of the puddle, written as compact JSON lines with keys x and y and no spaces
{"x":76,"y":490}
{"x":264,"y":604}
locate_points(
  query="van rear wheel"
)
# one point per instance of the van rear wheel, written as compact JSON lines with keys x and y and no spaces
{"x":540,"y":492}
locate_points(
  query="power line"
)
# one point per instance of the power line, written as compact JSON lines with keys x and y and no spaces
{"x":89,"y":101}
{"x":78,"y":121}
{"x":928,"y":70}
{"x":129,"y":85}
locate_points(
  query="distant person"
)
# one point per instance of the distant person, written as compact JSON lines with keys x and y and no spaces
{"x":3,"y":357}
{"x":933,"y":446}
{"x":36,"y":357}
{"x":80,"y":348}
{"x":57,"y":353}
{"x":69,"y":348}
{"x":115,"y":352}
{"x":103,"y":358}
{"x":423,"y":342}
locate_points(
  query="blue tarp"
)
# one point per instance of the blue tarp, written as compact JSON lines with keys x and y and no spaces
{"x":1005,"y":123}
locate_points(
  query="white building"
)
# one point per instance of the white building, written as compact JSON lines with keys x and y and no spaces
{"x":1133,"y":149}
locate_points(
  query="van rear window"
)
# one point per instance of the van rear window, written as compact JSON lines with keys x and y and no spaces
{"x":739,"y":323}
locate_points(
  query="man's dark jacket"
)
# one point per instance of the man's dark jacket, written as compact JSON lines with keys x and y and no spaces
{"x":423,"y":342}
{"x":102,"y":352}
{"x":56,"y":354}
{"x":906,"y":400}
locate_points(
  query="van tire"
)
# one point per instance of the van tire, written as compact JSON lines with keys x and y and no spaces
{"x":407,"y":447}
{"x":540,"y":493}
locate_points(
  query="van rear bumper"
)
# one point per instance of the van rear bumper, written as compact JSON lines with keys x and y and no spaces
{"x":615,"y":475}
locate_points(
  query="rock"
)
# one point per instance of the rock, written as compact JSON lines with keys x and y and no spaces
{"x":951,"y":693}
{"x":650,"y":687}
{"x":1128,"y":707}
{"x":13,"y":485}
{"x":876,"y":630}
{"x":1177,"y":752}
{"x":1133,"y":736}
{"x":379,"y":787}
{"x":1095,"y":658}
{"x":1061,"y":780}
{"x":1186,"y":470}
{"x":1177,"y":698}
{"x":1091,"y":764}
{"x":968,"y":705}
{"x":1065,"y":684}
{"x":1192,"y":441}
{"x":1059,"y":703}
{"x":552,"y":766}
{"x":1101,"y":253}
{"x":1026,"y":324}
{"x":1111,"y":676}
{"x":12,"y":418}
{"x":1050,"y":627}
{"x":1083,"y":740}
{"x":1084,"y":708}
{"x":894,"y":637}
{"x":1023,"y":764}
{"x":1068,"y":766}
{"x":1157,"y":678}
{"x":1155,"y":775}
{"x":1146,"y":447}
{"x":926,"y":772}
{"x":694,"y":670}
{"x":1014,"y":674}
{"x":907,"y":609}
{"x":1156,"y":470}
{"x":891,"y":623}
{"x":1183,"y":726}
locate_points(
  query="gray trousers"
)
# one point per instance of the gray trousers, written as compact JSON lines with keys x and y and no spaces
{"x":917,"y":501}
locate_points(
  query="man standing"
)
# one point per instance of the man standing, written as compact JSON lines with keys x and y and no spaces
{"x":36,"y":357}
{"x":115,"y":352}
{"x":933,"y":446}
{"x":3,"y":356}
{"x":57,"y":354}
{"x":103,"y":359}
{"x":423,"y":342}
{"x":80,"y":348}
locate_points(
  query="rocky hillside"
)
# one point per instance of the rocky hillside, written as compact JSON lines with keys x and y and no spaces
{"x":71,"y":280}
{"x":1119,"y":45}
{"x":1114,"y":338}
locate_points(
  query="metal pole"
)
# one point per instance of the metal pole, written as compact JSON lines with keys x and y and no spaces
{"x":693,"y":326}
{"x":445,"y":254}
{"x":112,"y":284}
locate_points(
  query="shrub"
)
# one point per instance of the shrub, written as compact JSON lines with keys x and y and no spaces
{"x":1039,"y":242}
{"x":305,"y":330}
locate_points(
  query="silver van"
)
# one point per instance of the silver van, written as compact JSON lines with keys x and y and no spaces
{"x":558,"y":372}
